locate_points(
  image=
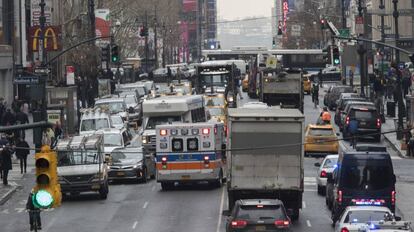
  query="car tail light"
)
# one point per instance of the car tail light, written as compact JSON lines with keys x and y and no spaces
{"x":238,"y":224}
{"x":339,"y":197}
{"x":206,"y":159}
{"x":282,"y":223}
{"x":344,"y":229}
{"x":347,"y":120}
{"x":378,"y":123}
{"x":323,"y":173}
{"x":206,"y":131}
{"x":393,"y":193}
{"x":163,"y":132}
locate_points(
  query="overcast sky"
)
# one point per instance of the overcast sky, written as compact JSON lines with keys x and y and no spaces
{"x":234,"y":9}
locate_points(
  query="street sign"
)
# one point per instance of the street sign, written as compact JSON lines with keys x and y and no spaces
{"x":344,"y":32}
{"x":26,"y":80}
{"x":359,"y":25}
{"x":401,"y":12}
{"x":42,"y":70}
{"x":271,"y":62}
{"x":405,"y":43}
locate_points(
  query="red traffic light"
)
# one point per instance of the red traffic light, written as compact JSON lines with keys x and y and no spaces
{"x":322,"y":21}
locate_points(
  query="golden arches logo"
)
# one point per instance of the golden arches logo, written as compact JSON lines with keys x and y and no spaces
{"x":49,"y":32}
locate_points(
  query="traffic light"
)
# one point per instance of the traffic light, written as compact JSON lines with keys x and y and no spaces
{"x":114,"y":54}
{"x":335,"y":55}
{"x":323,"y":24}
{"x":273,"y":43}
{"x":47,"y":191}
{"x":105,"y":53}
{"x":279,"y":30}
{"x":143,"y":32}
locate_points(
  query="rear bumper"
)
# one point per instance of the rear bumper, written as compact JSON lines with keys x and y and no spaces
{"x":201,"y":175}
{"x":321,"y":149}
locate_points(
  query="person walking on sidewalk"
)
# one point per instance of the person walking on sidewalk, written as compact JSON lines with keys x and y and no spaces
{"x":353,"y":131}
{"x":22,"y":151}
{"x":6,"y":162}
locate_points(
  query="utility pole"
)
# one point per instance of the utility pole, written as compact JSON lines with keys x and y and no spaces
{"x":401,"y":107}
{"x":361,"y":52}
{"x":42,"y":21}
{"x":382,"y":7}
{"x":92,"y":18}
{"x":155,"y":37}
{"x":343,"y":14}
{"x":146,"y":42}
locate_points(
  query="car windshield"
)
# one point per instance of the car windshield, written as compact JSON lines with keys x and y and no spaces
{"x":214,"y":101}
{"x":154,"y":121}
{"x":320,"y":132}
{"x":114,"y":107}
{"x":266,"y":212}
{"x":216,"y":80}
{"x":112,"y":140}
{"x":117,"y":156}
{"x":94,"y":124}
{"x":216,"y":111}
{"x":71,"y":158}
{"x":341,"y":90}
{"x":130,"y":100}
{"x":367,"y":175}
{"x":364,"y":114}
{"x":117,"y":120}
{"x":364,"y":216}
{"x":330,"y":162}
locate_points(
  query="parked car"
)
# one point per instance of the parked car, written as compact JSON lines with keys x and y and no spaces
{"x":369,"y":122}
{"x":347,"y":106}
{"x":333,"y":94}
{"x":258,"y":215}
{"x":131,"y":163}
{"x":327,"y":166}
{"x":343,"y":99}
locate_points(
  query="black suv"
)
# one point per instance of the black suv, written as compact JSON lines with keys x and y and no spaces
{"x":343,"y":99}
{"x":348,"y":105}
{"x":362,"y":178}
{"x":369,"y":122}
{"x":258,"y":215}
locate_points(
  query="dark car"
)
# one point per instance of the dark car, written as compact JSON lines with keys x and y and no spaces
{"x":348,"y":105}
{"x":131,"y":163}
{"x":343,"y":99}
{"x":362,"y":178}
{"x":369,"y":122}
{"x":258,"y":215}
{"x":333,"y":93}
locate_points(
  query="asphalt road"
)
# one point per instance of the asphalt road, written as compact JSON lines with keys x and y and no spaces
{"x":145,"y":207}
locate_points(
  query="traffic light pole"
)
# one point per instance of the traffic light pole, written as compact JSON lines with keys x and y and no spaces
{"x":146,"y":43}
{"x":361,"y":52}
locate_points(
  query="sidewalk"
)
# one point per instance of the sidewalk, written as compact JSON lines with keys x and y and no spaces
{"x":391,"y":138}
{"x":15,"y":178}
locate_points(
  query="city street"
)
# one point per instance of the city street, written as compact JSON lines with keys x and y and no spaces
{"x":145,"y":207}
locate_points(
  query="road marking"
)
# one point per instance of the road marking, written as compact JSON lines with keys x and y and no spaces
{"x":220,"y":211}
{"x":145,"y":205}
{"x":134,"y":225}
{"x":308,"y":223}
{"x":303,"y":205}
{"x":19,"y":210}
{"x":309,"y":190}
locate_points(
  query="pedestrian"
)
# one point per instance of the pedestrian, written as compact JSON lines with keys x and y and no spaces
{"x":21,"y":118}
{"x":25,"y":108}
{"x":320,"y":78}
{"x":3,"y":142}
{"x":353,"y":131}
{"x":16,"y":104}
{"x":6,"y":162}
{"x":406,"y":81}
{"x":410,"y":145}
{"x":2,"y":109}
{"x":22,"y":151}
{"x":351,"y":78}
{"x":315,"y":94}
{"x":34,"y":212}
{"x":8,"y":118}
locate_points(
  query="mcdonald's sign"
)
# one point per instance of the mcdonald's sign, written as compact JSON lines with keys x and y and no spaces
{"x":52,"y":38}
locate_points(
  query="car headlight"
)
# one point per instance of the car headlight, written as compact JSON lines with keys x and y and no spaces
{"x":138,"y":165}
{"x":98,"y":176}
{"x":144,"y":140}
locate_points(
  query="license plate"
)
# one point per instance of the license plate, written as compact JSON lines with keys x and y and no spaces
{"x":260,"y":228}
{"x":96,"y":186}
{"x":120,"y":174}
{"x":186,"y":177}
{"x":363,"y":123}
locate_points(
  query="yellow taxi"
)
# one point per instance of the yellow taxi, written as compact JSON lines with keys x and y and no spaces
{"x":320,"y":140}
{"x":245,"y":83}
{"x":307,"y":84}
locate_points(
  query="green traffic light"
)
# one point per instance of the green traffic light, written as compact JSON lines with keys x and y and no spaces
{"x":114,"y":59}
{"x":336,"y":61}
{"x":42,"y":199}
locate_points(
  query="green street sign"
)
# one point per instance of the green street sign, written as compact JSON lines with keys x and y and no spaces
{"x":344,"y":32}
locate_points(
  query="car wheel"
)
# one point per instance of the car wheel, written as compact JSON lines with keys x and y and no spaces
{"x":377,"y":138}
{"x":103,"y":192}
{"x":144,"y":177}
{"x":320,"y":190}
{"x":295,"y":215}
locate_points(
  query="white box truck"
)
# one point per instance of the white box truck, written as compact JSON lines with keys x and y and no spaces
{"x":265,"y":156}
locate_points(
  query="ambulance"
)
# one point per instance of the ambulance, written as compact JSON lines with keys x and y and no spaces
{"x":190,"y":153}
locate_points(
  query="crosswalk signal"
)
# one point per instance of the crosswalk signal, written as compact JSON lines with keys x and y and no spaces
{"x":323,"y":24}
{"x":114,"y":54}
{"x":143,"y":32}
{"x":335,"y":54}
{"x":47,"y":193}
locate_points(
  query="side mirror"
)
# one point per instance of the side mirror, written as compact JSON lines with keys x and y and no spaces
{"x":337,"y":134}
{"x":397,"y":218}
{"x":317,"y":164}
{"x":226,"y":213}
